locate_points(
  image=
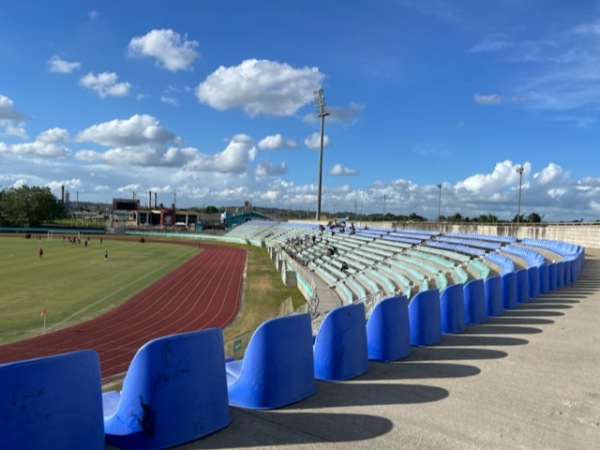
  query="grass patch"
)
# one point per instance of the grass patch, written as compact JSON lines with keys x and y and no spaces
{"x":263,"y":295}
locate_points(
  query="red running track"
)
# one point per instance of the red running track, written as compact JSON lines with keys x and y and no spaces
{"x":202,"y":293}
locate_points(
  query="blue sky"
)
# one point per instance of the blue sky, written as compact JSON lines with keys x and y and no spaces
{"x":211,"y":103}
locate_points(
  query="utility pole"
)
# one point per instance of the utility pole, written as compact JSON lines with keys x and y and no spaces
{"x":440,"y":203}
{"x":319,"y":99}
{"x":520,"y":172}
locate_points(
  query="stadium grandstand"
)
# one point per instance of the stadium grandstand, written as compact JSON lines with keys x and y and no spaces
{"x":475,"y":295}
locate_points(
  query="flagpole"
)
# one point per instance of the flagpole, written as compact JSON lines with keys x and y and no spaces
{"x":44,"y":322}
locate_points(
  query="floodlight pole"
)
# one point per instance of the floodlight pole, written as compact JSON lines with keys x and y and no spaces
{"x":439,"y":186}
{"x":520,"y":172}
{"x":319,"y":99}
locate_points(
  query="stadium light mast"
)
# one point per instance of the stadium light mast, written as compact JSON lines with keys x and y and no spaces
{"x":319,"y":99}
{"x":439,"y":186}
{"x":520,"y":172}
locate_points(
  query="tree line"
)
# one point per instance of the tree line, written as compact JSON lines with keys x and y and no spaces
{"x":35,"y":205}
{"x":30,"y":206}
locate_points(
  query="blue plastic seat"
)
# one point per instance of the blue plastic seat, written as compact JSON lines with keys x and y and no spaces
{"x":560,"y":274}
{"x":424,"y":312}
{"x":277,"y":368}
{"x":174,"y":391}
{"x":54,"y":402}
{"x":522,"y":286}
{"x":533,"y":282}
{"x":452,"y":309}
{"x":509,"y":290}
{"x":475,"y":306}
{"x":388,"y":330}
{"x":340,"y":349}
{"x":544,"y":278}
{"x":552,"y":276}
{"x":494,"y":306}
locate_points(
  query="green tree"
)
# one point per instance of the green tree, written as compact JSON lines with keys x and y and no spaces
{"x":30,"y":205}
{"x":211,"y":210}
{"x":488,"y":218}
{"x":455,"y":218}
{"x":416,"y":218}
{"x":534,"y":218}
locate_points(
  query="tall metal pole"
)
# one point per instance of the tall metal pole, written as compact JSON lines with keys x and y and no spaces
{"x":440,"y":203}
{"x":520,"y":172}
{"x":320,"y":106}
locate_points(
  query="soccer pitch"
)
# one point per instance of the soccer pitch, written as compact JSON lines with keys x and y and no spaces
{"x":74,"y":282}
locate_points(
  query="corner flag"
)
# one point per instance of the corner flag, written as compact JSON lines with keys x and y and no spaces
{"x":43,"y":313}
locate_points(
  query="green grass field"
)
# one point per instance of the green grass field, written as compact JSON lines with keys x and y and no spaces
{"x":74,"y":283}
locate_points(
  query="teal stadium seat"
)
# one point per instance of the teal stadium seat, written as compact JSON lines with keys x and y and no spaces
{"x":175,"y":391}
{"x":54,"y":402}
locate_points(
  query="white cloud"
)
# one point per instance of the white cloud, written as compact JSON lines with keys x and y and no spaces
{"x":171,"y":51}
{"x":138,"y":141}
{"x":340,"y":171}
{"x":48,"y":144}
{"x":234,"y":159}
{"x":490,"y":99}
{"x":314,"y":141}
{"x":144,"y":155}
{"x":8,"y":110}
{"x":338,"y":114}
{"x":54,"y":135}
{"x":137,"y":130}
{"x":16,"y":131}
{"x":37,"y":148}
{"x":105,"y":84}
{"x":70,"y":185}
{"x":551,"y":174}
{"x":558,"y":71}
{"x":276,"y":142}
{"x":93,"y":15}
{"x":260,"y":87}
{"x":130,"y":188}
{"x":267,"y":168}
{"x":493,"y":43}
{"x":495,"y":99}
{"x":57,"y":65}
{"x":169,"y":100}
{"x":504,"y":174}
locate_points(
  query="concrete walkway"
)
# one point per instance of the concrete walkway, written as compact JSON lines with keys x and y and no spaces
{"x":528,"y":379}
{"x":328,"y":298}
